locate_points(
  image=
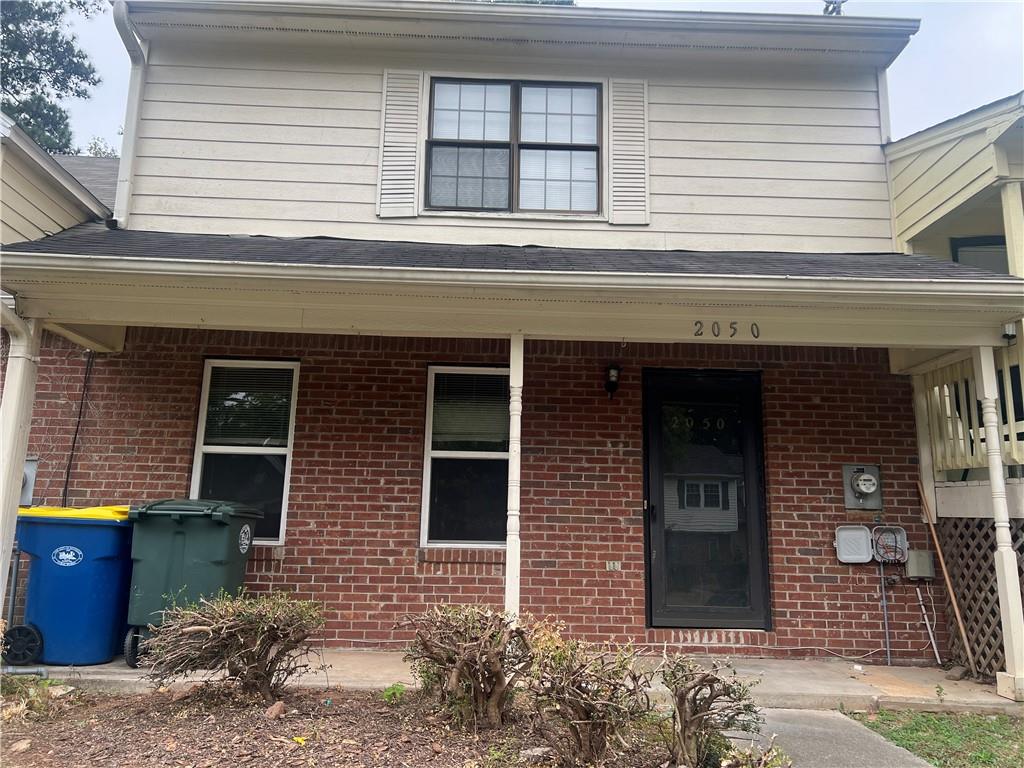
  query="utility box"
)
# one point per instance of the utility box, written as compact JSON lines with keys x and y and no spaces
{"x":862,"y":486}
{"x":920,"y":564}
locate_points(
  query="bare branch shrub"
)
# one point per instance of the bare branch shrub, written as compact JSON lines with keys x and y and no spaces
{"x":472,"y":656}
{"x":707,"y":701}
{"x":258,"y":642}
{"x":754,"y":757}
{"x":586,"y":696}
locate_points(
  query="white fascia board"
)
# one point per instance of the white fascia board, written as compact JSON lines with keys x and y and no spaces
{"x":879,"y":289}
{"x":1006,"y":110}
{"x":17,"y":140}
{"x":509,"y":20}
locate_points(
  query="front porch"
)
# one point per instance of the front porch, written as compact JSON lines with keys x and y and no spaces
{"x":582,"y":507}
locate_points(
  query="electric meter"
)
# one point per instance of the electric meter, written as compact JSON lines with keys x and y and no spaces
{"x":864,"y":483}
{"x":862,"y":486}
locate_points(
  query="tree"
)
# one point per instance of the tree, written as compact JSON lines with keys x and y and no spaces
{"x":42,"y":64}
{"x":98,"y":147}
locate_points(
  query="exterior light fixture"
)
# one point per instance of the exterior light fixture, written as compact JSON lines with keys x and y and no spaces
{"x":611,"y":378}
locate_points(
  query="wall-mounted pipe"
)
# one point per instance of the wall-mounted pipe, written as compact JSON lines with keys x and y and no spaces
{"x":138,"y":51}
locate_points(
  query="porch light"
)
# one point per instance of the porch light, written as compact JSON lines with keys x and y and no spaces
{"x":611,"y":378}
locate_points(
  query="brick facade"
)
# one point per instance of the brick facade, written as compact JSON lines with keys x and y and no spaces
{"x":353,"y":529}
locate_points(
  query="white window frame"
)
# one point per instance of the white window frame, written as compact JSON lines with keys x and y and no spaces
{"x":201,"y":450}
{"x":429,"y":454}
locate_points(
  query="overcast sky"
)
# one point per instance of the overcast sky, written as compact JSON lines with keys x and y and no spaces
{"x":967,"y":53}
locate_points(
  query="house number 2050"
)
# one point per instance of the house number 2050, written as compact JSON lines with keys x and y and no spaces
{"x":729,"y":330}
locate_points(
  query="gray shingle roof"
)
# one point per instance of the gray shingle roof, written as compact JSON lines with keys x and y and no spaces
{"x":94,"y":239}
{"x":97,"y":174}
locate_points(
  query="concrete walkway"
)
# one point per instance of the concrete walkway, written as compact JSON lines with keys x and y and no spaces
{"x":783,"y":684}
{"x":817,"y":739}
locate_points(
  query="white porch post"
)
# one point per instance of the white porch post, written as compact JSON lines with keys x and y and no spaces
{"x":515,"y":419}
{"x":15,"y":420}
{"x":1012,"y":198}
{"x":1011,"y":682}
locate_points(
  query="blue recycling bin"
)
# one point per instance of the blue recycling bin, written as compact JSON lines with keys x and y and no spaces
{"x":79,"y":575}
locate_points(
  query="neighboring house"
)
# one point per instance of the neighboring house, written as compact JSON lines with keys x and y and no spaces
{"x":464,"y":296}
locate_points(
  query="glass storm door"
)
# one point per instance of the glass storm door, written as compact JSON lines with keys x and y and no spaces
{"x":706,"y":556}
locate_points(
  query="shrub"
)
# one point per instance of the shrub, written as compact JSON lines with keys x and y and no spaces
{"x":472,"y":656}
{"x":393,"y":694}
{"x":707,"y":701}
{"x":594,"y":693}
{"x":753,"y":757}
{"x":258,"y":642}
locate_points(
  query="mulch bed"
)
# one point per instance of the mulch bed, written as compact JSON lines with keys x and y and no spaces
{"x":341,"y":729}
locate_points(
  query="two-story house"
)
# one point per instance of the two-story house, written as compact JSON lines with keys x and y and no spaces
{"x":590,"y":313}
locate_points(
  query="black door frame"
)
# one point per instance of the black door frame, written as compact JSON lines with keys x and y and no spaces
{"x":742,"y":388}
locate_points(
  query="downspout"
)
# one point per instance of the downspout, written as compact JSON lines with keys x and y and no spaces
{"x":15,"y":421}
{"x":137,"y":50}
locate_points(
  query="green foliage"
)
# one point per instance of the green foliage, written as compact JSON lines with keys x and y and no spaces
{"x":954,"y":740}
{"x":707,"y":701}
{"x":258,"y":642}
{"x":393,"y":694}
{"x":98,"y":147}
{"x":42,"y":64}
{"x":23,"y":697}
{"x":471,"y":656}
{"x":586,"y":696}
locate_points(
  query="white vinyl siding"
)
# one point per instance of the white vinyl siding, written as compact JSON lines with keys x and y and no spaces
{"x":287,"y":142}
{"x":33,"y":205}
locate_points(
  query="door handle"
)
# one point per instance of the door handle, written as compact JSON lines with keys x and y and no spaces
{"x":652,"y":510}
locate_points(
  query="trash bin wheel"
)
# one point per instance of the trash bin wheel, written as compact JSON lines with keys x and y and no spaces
{"x":131,"y":647}
{"x":24,"y":645}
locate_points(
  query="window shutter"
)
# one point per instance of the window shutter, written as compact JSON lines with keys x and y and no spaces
{"x":399,"y":144}
{"x":628,"y":152}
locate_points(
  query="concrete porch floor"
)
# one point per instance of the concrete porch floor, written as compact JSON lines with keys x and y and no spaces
{"x":811,"y":684}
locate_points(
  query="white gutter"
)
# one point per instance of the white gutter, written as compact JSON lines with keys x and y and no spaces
{"x":137,"y":51}
{"x":1011,"y":289}
{"x":22,"y":144}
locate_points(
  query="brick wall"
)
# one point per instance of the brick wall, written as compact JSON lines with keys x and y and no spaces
{"x":354,"y":503}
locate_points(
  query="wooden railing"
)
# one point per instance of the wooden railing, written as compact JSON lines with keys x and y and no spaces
{"x":954,"y":416}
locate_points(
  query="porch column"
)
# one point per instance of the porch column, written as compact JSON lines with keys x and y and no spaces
{"x":15,"y":420}
{"x":1012,"y":199}
{"x":515,"y":419}
{"x":1010,"y":683}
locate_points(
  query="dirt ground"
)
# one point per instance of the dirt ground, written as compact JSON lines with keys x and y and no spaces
{"x":341,"y":729}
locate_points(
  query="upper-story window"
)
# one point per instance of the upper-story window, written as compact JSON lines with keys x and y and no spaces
{"x":514,"y":146}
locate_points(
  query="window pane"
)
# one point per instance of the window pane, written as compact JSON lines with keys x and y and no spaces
{"x":470,"y":412}
{"x":584,"y":196}
{"x":247,"y":479}
{"x":584,"y":129}
{"x":471,"y":125}
{"x":560,"y":100}
{"x":457,"y":177}
{"x":496,"y":126}
{"x":498,"y":97}
{"x":558,"y":167}
{"x":712,"y":499}
{"x":584,"y":101}
{"x":443,"y":191}
{"x":446,"y":96}
{"x":533,"y":127}
{"x":446,"y":124}
{"x":495,"y":193}
{"x":534,"y":99}
{"x":248,"y":406}
{"x":559,"y":129}
{"x":470,"y":193}
{"x":468,"y":499}
{"x":472,"y":96}
{"x":692,"y":495}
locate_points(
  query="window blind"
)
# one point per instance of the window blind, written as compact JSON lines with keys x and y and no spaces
{"x":249,"y":406}
{"x":470,"y":412}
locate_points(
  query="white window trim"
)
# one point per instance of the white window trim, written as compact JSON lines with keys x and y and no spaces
{"x":200,"y":450}
{"x":604,"y":174}
{"x":429,"y":454}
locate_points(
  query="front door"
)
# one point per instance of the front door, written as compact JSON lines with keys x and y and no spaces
{"x":707,"y":552}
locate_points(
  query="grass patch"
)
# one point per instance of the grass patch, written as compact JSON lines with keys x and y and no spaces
{"x":953,"y":740}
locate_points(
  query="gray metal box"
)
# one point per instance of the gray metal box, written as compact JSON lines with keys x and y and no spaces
{"x":857,"y":479}
{"x":920,"y":564}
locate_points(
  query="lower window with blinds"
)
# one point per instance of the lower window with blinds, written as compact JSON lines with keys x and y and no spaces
{"x":245,"y":436}
{"x":465,"y":473}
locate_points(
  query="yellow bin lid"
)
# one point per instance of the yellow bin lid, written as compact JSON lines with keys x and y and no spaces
{"x":117,"y":513}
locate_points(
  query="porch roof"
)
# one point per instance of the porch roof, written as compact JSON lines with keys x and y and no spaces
{"x":95,"y":240}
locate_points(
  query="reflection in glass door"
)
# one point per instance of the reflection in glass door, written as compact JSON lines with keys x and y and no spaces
{"x":705,"y":518}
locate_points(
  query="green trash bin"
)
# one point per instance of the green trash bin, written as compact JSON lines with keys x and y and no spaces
{"x":184,"y":549}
